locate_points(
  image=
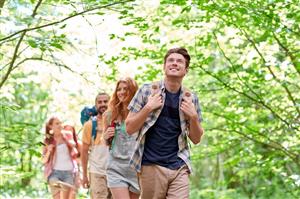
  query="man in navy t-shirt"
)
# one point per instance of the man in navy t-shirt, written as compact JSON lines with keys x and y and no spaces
{"x":164,"y":114}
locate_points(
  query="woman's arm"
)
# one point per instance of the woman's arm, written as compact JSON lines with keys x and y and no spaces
{"x":47,"y":152}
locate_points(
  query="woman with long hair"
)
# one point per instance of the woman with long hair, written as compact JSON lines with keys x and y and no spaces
{"x":121,"y":178}
{"x":59,"y":159}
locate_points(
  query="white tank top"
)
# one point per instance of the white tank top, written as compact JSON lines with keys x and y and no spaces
{"x":63,"y":160}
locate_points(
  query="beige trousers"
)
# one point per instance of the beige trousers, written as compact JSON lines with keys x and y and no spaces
{"x":160,"y":182}
{"x":98,"y":187}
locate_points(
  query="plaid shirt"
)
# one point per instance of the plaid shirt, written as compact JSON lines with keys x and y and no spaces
{"x":138,"y":102}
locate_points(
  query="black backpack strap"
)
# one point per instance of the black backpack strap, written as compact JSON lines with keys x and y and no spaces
{"x":94,"y":127}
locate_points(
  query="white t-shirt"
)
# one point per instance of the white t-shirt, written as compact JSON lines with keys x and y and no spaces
{"x":63,"y":160}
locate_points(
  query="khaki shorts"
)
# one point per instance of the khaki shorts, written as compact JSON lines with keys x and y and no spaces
{"x":98,"y":187}
{"x":162,"y":183}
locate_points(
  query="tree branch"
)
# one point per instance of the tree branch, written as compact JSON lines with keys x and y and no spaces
{"x":51,"y":62}
{"x":15,"y":55}
{"x":35,"y":9}
{"x":288,"y":53}
{"x":11,"y":39}
{"x":290,"y":96}
{"x":1,"y":4}
{"x":226,"y":85}
{"x":94,"y":33}
{"x":275,"y":144}
{"x":10,"y":68}
{"x":262,"y":11}
{"x":19,"y":53}
{"x":234,"y":68}
{"x":24,"y":31}
{"x":293,"y":158}
{"x":62,"y":20}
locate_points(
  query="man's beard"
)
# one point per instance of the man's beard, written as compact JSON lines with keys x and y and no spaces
{"x":102,"y":109}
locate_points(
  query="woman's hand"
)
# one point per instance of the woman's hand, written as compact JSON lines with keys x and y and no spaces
{"x":110,"y":132}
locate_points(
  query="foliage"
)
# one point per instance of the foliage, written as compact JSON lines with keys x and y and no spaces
{"x":245,"y":69}
{"x":41,"y":37}
{"x":23,"y":111}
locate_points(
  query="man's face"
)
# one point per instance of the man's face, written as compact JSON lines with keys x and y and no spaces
{"x":175,"y":65}
{"x":101,"y":103}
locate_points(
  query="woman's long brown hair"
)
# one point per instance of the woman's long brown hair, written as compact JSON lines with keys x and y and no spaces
{"x":49,"y":139}
{"x":118,"y":108}
{"x":68,"y":127}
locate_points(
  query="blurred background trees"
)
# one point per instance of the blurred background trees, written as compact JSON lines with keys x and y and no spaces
{"x":245,"y":68}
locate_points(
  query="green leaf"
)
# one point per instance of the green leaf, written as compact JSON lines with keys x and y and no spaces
{"x":32,"y":43}
{"x":112,"y":36}
{"x":57,"y":45}
{"x":186,"y":9}
{"x":63,"y":26}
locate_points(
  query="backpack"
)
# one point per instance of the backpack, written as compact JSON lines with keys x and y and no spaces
{"x":88,"y":113}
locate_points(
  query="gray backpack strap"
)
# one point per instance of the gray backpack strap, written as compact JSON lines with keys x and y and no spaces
{"x":187,"y":94}
{"x":154,"y":87}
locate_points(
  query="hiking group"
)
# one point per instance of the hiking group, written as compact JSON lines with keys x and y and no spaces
{"x":134,"y":145}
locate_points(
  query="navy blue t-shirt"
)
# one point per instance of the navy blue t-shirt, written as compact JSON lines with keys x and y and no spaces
{"x":161,"y":145}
